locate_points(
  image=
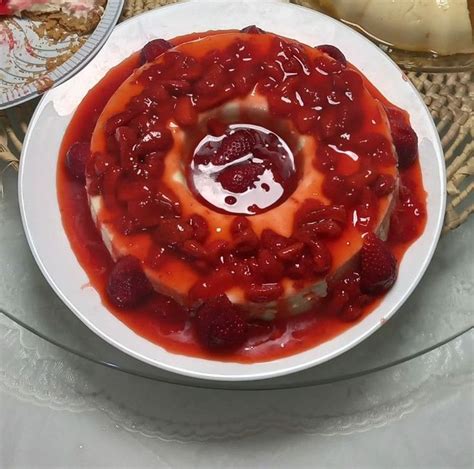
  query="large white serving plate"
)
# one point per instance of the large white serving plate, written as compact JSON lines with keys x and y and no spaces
{"x":37,"y":183}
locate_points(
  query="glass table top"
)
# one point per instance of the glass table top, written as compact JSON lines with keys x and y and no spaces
{"x":438,"y":311}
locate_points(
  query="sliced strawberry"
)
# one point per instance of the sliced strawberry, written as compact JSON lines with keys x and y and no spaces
{"x":264,"y":293}
{"x":274,"y":241}
{"x":220,"y":326}
{"x":185,"y":113}
{"x":233,"y":147}
{"x":154,"y":49}
{"x":127,"y":285}
{"x":384,"y":185}
{"x":158,"y":139}
{"x":378,"y":266}
{"x":239,"y":178}
{"x":270,"y":268}
{"x":245,"y":239}
{"x":172,"y":232}
{"x":200,"y":227}
{"x":76,"y":159}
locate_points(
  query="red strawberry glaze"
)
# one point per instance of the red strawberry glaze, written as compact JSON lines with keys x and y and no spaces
{"x":266,"y":341}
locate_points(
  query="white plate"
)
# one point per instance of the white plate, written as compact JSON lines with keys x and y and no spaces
{"x":25,"y":72}
{"x":37,"y":184}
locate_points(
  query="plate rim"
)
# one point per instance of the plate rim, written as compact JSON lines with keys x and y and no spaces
{"x":250,"y":375}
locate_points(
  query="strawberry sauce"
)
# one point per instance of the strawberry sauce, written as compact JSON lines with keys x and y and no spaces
{"x":242,"y":169}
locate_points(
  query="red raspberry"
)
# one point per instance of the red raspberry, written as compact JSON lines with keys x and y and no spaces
{"x":127,"y":285}
{"x":154,"y":49}
{"x":378,"y":266}
{"x":239,"y":178}
{"x":233,"y":147}
{"x":220,"y":326}
{"x":76,"y":159}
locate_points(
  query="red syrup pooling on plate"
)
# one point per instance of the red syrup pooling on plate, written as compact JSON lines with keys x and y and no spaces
{"x":245,"y":171}
{"x":182,"y":329}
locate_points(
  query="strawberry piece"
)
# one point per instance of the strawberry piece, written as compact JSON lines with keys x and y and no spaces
{"x":194,"y":249}
{"x":119,"y":120}
{"x":200,"y":227}
{"x":126,"y":138}
{"x":127,"y":285}
{"x":154,"y":49}
{"x":270,"y":268}
{"x":185,"y":114}
{"x":302,"y":267}
{"x":384,"y":185}
{"x":245,"y":238}
{"x":378,"y":147}
{"x":273,"y":241}
{"x":264,"y":293}
{"x":233,"y":147}
{"x":322,"y":259}
{"x":240,"y":178}
{"x":406,"y":144}
{"x":220,"y":326}
{"x":76,"y":159}
{"x":172,"y":232}
{"x":158,"y":139}
{"x":333,"y":52}
{"x":216,"y":127}
{"x":351,"y":313}
{"x":306,"y":120}
{"x":171,"y":315}
{"x":378,"y":266}
{"x":290,"y":252}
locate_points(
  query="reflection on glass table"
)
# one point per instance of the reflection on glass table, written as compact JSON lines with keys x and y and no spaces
{"x":439,"y":310}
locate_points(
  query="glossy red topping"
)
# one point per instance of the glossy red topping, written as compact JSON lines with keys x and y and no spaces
{"x":253,"y":166}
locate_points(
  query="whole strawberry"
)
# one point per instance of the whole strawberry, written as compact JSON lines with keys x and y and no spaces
{"x":240,"y":177}
{"x":127,"y":285}
{"x":233,"y":147}
{"x":378,"y":266}
{"x":220,"y":325}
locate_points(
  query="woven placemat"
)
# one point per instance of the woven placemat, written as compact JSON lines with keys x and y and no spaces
{"x":449,"y":97}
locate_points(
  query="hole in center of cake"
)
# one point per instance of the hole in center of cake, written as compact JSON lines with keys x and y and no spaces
{"x":243,"y":169}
